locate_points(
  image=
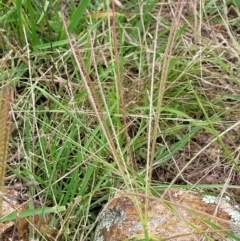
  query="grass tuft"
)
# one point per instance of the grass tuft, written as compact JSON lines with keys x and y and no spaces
{"x":118,"y":97}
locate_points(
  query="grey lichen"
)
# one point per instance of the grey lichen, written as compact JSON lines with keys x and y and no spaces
{"x":154,"y":222}
{"x":135,"y":227}
{"x":107,"y":219}
{"x":209,"y":199}
{"x":232,"y":210}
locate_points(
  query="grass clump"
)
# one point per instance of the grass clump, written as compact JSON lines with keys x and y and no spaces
{"x":110,"y":97}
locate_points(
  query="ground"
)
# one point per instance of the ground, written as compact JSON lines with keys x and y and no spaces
{"x":110,"y":95}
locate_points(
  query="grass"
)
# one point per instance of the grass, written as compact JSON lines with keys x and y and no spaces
{"x":119,"y":102}
{"x":4,"y":140}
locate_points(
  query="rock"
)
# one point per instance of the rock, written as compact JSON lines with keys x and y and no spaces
{"x":18,"y":230}
{"x":9,"y":205}
{"x":182,"y":216}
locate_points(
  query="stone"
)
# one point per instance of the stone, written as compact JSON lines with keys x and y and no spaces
{"x":181,"y":216}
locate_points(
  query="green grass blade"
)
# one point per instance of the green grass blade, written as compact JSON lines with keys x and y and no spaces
{"x":77,"y":15}
{"x":26,"y":213}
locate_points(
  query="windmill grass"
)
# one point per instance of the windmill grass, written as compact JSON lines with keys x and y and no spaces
{"x":110,"y":99}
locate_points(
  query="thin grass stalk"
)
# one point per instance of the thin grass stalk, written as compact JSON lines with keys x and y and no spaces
{"x":96,"y":106}
{"x":121,"y":88}
{"x":4,"y":138}
{"x":164,"y":74}
{"x":216,"y":134}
